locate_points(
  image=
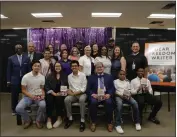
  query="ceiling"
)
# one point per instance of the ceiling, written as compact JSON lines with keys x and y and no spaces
{"x":78,"y":14}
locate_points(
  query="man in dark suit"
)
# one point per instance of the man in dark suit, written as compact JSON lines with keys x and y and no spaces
{"x":18,"y":66}
{"x":34,"y":56}
{"x":100,"y":90}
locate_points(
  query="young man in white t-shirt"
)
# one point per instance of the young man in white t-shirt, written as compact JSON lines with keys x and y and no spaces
{"x":33,"y":90}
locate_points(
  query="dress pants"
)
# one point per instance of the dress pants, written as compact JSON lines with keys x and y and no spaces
{"x":134,"y":105}
{"x":26,"y":102}
{"x":108,"y":103}
{"x":72,"y":99}
{"x":149,"y":99}
{"x":54,"y":102}
{"x":15,"y":90}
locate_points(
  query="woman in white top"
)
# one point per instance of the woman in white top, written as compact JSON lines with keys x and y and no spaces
{"x":47,"y":63}
{"x":103,"y":57}
{"x":86,"y":62}
{"x":123,"y":95}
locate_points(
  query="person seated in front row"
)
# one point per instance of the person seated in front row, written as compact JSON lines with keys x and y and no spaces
{"x":142,"y":93}
{"x":123,"y":95}
{"x":56,"y":86}
{"x":100,"y":89}
{"x":77,"y":86}
{"x":33,"y":90}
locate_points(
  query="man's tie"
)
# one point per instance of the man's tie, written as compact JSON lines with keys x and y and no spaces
{"x":31,"y":57}
{"x":20,"y":62}
{"x":101,"y":80}
{"x":20,"y":59}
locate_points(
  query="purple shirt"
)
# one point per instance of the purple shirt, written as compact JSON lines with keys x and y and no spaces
{"x":66,"y":66}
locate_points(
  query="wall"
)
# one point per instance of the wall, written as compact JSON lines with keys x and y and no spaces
{"x":125,"y":37}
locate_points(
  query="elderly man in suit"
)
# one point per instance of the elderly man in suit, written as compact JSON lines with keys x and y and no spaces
{"x":33,"y":56}
{"x":18,"y":66}
{"x":100,"y":90}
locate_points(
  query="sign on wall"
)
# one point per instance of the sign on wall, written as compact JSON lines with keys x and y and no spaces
{"x":160,"y":53}
{"x":161,"y":61}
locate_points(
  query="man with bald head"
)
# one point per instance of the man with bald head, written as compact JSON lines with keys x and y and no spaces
{"x":18,"y":66}
{"x":33,"y":56}
{"x":100,"y":90}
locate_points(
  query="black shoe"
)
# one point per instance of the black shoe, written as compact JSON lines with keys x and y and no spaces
{"x":28,"y":109}
{"x":154,"y":120}
{"x":13,"y":113}
{"x":141,"y":121}
{"x":68,"y":124}
{"x":82,"y":126}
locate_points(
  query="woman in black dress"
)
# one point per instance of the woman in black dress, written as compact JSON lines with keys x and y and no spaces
{"x":118,"y":62}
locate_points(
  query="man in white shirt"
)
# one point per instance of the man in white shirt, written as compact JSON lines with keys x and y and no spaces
{"x":123,"y":95}
{"x":77,"y":85}
{"x":33,"y":90}
{"x":142,"y":91}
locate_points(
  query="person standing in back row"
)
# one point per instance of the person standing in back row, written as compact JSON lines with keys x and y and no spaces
{"x":18,"y":66}
{"x":86,"y":62}
{"x":111,"y":44}
{"x":136,"y":61}
{"x":32,"y":54}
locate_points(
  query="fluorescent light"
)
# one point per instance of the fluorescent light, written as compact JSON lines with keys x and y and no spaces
{"x":21,"y":28}
{"x":171,"y":28}
{"x":106,"y":14}
{"x":139,"y":27}
{"x":162,"y":16}
{"x":3,"y":17}
{"x":62,"y":27}
{"x":46,"y":15}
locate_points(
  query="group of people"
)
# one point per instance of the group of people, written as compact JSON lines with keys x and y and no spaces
{"x":161,"y":75}
{"x":97,"y":75}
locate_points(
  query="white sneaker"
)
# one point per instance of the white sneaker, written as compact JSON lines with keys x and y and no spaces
{"x":13,"y":113}
{"x":119,"y":130}
{"x":49,"y":125}
{"x":138,"y":127}
{"x":57,"y":123}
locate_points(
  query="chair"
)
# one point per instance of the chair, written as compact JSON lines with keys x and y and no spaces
{"x":100,"y":112}
{"x":128,"y":112}
{"x":33,"y":114}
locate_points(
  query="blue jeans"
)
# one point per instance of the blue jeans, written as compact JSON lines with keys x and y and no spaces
{"x":134,"y":105}
{"x":26,"y":102}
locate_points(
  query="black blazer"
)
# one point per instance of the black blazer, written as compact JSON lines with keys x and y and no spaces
{"x":36,"y":56}
{"x":51,"y":82}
